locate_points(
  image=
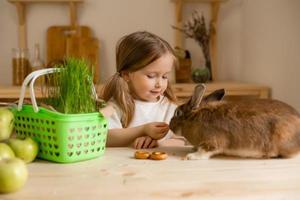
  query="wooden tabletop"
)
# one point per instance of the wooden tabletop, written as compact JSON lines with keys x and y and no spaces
{"x":117,"y":175}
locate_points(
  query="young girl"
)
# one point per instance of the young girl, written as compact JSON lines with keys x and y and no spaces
{"x":139,"y":91}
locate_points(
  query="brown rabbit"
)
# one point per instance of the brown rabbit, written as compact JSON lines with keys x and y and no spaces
{"x":256,"y":128}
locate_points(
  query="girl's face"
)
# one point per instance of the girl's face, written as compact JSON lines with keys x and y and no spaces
{"x":148,"y":83}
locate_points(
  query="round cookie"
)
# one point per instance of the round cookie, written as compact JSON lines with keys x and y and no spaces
{"x":141,"y":155}
{"x":158,"y":155}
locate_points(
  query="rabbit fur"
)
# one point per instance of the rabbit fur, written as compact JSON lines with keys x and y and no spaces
{"x":255,"y":128}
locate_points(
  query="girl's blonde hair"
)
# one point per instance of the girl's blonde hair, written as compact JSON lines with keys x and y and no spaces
{"x":134,"y":51}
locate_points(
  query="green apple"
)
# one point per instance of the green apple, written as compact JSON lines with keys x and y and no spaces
{"x":6,"y":123}
{"x":13,"y":175}
{"x":6,"y":152}
{"x":24,"y":148}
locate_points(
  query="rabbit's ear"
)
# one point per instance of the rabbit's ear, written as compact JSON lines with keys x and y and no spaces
{"x":197,"y":96}
{"x":215,"y":96}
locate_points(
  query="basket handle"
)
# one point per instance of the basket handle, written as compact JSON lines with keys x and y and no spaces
{"x":31,"y":79}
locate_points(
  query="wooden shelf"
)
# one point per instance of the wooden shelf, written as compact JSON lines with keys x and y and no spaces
{"x":215,"y":6}
{"x":45,"y":1}
{"x":181,"y":90}
{"x":21,"y":11}
{"x":235,"y":90}
{"x":202,"y":1}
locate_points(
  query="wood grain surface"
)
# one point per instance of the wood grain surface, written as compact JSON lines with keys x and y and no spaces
{"x":117,"y":175}
{"x":57,"y":39}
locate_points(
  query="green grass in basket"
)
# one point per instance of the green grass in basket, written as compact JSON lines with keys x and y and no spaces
{"x":72,"y":88}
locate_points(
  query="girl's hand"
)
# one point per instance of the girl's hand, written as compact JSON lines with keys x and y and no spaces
{"x":144,"y":142}
{"x":156,"y":130}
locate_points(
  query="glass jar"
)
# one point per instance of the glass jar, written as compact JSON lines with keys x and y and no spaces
{"x":37,"y":64}
{"x":21,"y":65}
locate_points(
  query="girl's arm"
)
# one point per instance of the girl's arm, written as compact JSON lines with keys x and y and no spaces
{"x":125,"y":136}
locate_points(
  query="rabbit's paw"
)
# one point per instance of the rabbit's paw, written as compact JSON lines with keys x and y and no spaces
{"x":198,"y":155}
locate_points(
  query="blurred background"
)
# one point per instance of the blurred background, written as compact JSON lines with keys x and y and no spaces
{"x":257,"y":40}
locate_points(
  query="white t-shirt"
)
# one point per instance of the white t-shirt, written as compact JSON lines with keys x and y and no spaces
{"x":145,"y":112}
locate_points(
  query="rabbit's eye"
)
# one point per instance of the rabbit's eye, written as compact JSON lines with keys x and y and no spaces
{"x":178,"y":113}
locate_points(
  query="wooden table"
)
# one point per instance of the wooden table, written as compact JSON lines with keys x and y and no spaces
{"x":117,"y":175}
{"x":182,"y":90}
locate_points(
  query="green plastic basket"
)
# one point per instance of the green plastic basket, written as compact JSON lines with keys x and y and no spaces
{"x":61,"y":137}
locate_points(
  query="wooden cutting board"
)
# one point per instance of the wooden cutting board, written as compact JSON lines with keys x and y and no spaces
{"x":87,"y":48}
{"x":76,"y":41}
{"x":57,"y":37}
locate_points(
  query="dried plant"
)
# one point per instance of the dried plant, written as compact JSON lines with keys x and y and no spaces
{"x":195,"y":28}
